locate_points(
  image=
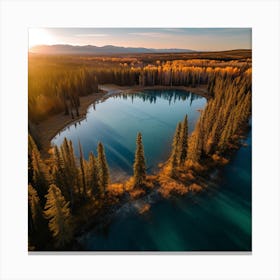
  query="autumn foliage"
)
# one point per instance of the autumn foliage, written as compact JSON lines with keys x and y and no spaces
{"x":66,"y":191}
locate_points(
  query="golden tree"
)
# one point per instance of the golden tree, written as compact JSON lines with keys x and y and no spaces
{"x":139,"y":166}
{"x":58,"y":213}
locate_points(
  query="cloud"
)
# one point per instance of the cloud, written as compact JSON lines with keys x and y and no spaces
{"x":92,"y":35}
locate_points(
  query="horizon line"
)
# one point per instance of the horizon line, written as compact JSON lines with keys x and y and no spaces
{"x":169,"y":48}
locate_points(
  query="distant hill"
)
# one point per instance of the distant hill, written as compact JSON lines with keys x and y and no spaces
{"x":89,"y":49}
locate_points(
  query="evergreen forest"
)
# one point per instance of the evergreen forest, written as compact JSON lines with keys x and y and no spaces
{"x":67,"y":193}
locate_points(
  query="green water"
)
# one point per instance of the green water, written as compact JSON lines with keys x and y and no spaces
{"x":218,"y":219}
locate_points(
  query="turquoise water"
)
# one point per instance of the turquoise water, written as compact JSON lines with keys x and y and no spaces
{"x":218,"y":219}
{"x":117,"y":121}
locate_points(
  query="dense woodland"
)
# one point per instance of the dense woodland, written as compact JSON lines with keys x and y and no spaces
{"x":220,"y":123}
{"x":55,"y":83}
{"x":66,"y":191}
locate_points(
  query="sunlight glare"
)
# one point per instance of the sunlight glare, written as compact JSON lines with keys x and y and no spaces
{"x":39,"y":36}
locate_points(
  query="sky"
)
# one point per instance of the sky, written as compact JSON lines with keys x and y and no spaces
{"x":201,"y":39}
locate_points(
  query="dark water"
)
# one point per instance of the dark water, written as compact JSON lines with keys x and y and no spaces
{"x":117,"y":121}
{"x":218,"y":219}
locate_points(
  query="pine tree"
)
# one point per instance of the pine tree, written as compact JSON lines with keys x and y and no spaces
{"x":194,"y":144}
{"x":95,"y":85}
{"x":58,"y":213}
{"x":35,"y":210}
{"x":139,"y":166}
{"x":82,"y":168}
{"x":66,"y":108}
{"x":183,"y":148}
{"x":103,"y":169}
{"x":38,"y":231}
{"x":70,"y":169}
{"x":59,"y":174}
{"x":175,"y":154}
{"x":92,"y":175}
{"x":41,"y":176}
{"x":228,"y":110}
{"x":31,"y":146}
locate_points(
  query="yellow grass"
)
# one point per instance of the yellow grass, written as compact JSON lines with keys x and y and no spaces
{"x":195,"y":188}
{"x":146,"y":207}
{"x":116,"y":189}
{"x":136,"y":193}
{"x":220,"y":159}
{"x":129,"y":184}
{"x":189,"y":164}
{"x":169,"y":186}
{"x":189,"y":175}
{"x":150,"y":180}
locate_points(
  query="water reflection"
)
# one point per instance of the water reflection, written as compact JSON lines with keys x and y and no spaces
{"x":152,"y":96}
{"x":116,"y":121}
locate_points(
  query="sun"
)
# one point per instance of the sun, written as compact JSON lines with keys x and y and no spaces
{"x":39,"y":36}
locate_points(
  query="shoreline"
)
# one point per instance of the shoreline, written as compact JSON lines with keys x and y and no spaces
{"x":206,"y":179}
{"x":50,"y":127}
{"x":202,"y":179}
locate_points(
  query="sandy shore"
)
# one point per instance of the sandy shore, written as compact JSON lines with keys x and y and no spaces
{"x":50,"y":127}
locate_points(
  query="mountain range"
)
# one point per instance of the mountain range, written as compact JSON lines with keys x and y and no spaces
{"x":89,"y":49}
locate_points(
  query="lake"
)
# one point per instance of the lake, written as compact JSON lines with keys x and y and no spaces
{"x":218,"y":219}
{"x":116,"y":122}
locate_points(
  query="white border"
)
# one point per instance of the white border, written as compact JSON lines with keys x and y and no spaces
{"x":262,"y":16}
